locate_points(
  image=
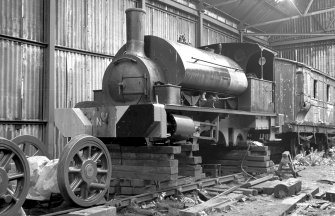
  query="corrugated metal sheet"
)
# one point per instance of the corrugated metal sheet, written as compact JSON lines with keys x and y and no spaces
{"x":77,"y":75}
{"x":319,"y":55}
{"x":21,"y":73}
{"x":170,"y":24}
{"x":32,"y":82}
{"x":22,"y":18}
{"x":214,"y":35}
{"x":93,"y":25}
{"x":99,"y":25}
{"x":10,"y":79}
{"x":10,"y":131}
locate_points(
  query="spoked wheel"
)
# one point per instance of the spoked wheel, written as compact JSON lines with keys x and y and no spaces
{"x":31,"y":146}
{"x":84,"y":170}
{"x":14,"y":180}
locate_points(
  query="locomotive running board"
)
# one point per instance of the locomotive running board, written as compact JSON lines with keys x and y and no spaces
{"x":216,"y":110}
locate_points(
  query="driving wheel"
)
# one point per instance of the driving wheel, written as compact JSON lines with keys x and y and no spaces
{"x":84,"y":170}
{"x":14,"y":178}
{"x":31,"y":146}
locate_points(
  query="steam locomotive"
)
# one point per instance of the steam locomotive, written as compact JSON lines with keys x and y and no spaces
{"x":161,"y":91}
{"x":157,"y":91}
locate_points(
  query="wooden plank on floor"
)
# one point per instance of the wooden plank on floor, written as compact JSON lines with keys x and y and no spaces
{"x":190,"y":167}
{"x":190,"y":147}
{"x":247,"y":163}
{"x":152,"y":149}
{"x":259,"y":148}
{"x":145,"y":176}
{"x":188,"y":160}
{"x":147,"y":156}
{"x":95,"y":211}
{"x":239,"y":157}
{"x":290,"y":203}
{"x":258,"y":181}
{"x":146,"y":169}
{"x":161,"y":163}
{"x":266,"y":187}
{"x":219,"y":200}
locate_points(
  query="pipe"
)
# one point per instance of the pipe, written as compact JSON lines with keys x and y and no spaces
{"x":135,"y":20}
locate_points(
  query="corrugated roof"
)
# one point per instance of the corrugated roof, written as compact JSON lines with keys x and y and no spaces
{"x":251,"y":12}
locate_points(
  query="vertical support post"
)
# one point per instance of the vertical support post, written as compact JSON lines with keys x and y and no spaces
{"x":142,"y":4}
{"x":49,"y":76}
{"x":262,"y":69}
{"x":241,"y":36}
{"x":201,"y":11}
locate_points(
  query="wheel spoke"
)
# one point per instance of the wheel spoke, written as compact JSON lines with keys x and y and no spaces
{"x":89,"y":151}
{"x":76,"y":184}
{"x":84,"y":191}
{"x":80,"y":157}
{"x":15,"y":176}
{"x":97,"y":156}
{"x":97,"y":186}
{"x":23,"y":147}
{"x":37,"y":152}
{"x":11,"y":193}
{"x":6,"y":159}
{"x":74,"y":169}
{"x":104,"y":171}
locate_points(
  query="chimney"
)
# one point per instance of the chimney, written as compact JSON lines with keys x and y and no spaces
{"x":135,"y":18}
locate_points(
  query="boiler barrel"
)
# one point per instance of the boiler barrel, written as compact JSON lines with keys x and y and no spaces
{"x":196,"y":69}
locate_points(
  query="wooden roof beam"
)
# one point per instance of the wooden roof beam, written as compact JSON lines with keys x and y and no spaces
{"x":308,"y":6}
{"x":224,"y":3}
{"x":298,"y":41}
{"x":295,"y":7}
{"x":251,"y":10}
{"x":290,"y":18}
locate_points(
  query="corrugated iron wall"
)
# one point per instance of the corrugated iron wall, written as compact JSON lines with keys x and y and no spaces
{"x":21,"y":69}
{"x":22,"y":18}
{"x":88,"y":34}
{"x":320,"y":55}
{"x":212,"y":35}
{"x":317,"y":23}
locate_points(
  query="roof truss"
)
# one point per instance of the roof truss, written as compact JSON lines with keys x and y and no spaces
{"x":292,"y":17}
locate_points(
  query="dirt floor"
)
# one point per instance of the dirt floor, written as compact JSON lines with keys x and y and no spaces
{"x":266,"y":205}
{"x":312,"y":176}
{"x":321,"y":176}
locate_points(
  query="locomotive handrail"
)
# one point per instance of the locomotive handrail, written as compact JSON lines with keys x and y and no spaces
{"x":196,"y":60}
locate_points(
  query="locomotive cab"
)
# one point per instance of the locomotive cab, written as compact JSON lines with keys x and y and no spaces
{"x":258,"y":99}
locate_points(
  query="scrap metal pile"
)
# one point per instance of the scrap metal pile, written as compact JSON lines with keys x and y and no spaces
{"x":315,"y":158}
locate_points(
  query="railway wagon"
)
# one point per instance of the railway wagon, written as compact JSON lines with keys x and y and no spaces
{"x":301,"y":97}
